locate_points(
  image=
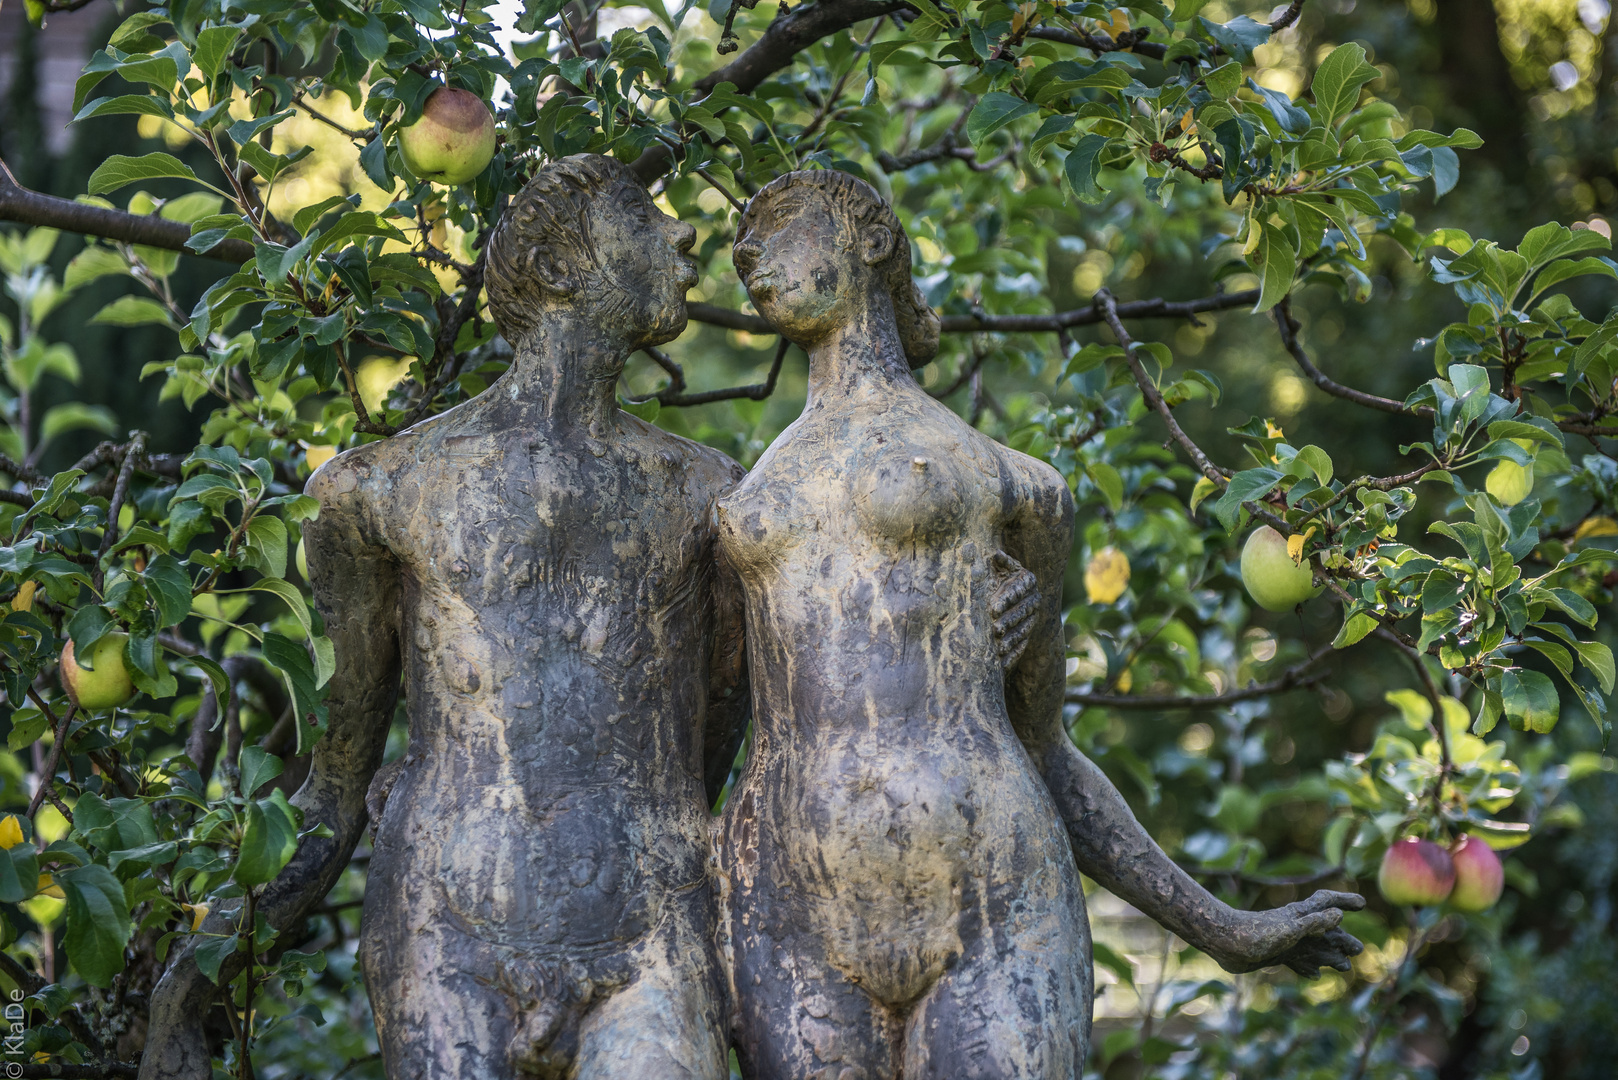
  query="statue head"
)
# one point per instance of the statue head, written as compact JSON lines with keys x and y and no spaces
{"x":810,"y":242}
{"x":584,"y":234}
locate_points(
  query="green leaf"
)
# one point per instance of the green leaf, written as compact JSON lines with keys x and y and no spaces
{"x":1082,"y":167}
{"x":98,"y":925}
{"x":124,"y":105}
{"x":77,"y":416}
{"x":92,"y":263}
{"x":19,"y":873}
{"x":269,"y":840}
{"x":211,"y":954}
{"x":1338,"y":78}
{"x":1108,"y":482}
{"x":121,"y":169}
{"x":1244,"y":487}
{"x":170,"y":586}
{"x":1355,"y":627}
{"x":1530,"y":700}
{"x":258,"y":767}
{"x":1275,"y":262}
{"x":213,"y":47}
{"x":303,"y":685}
{"x":267,"y":545}
{"x":993,"y":112}
{"x":133,"y":311}
{"x":1318,"y":461}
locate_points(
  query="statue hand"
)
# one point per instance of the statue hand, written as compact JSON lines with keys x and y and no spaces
{"x":1304,"y":936}
{"x":1015,"y":602}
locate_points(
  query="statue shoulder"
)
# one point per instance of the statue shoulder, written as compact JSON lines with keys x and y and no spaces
{"x":357,"y":483}
{"x":1041,"y":492}
{"x":713,"y":467}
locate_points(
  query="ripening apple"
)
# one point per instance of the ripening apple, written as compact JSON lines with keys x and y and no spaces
{"x":1510,"y":482}
{"x":1273,"y":580}
{"x":454,"y":139}
{"x":104,"y":682}
{"x":1416,"y":872}
{"x":1479,"y":876}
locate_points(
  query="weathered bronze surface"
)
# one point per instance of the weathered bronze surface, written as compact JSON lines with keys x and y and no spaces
{"x":902,"y":899}
{"x":542,"y":567}
{"x":563,"y":590}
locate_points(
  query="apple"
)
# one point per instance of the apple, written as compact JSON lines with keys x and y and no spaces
{"x":1416,"y":872}
{"x":454,"y":139}
{"x":102,"y":683}
{"x":1479,"y":876}
{"x":1273,"y":580}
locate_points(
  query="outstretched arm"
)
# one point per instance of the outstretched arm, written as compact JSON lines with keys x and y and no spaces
{"x":1109,"y":844}
{"x":356,"y":587}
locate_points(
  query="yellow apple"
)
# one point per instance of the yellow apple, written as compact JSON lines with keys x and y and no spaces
{"x":103,"y":681}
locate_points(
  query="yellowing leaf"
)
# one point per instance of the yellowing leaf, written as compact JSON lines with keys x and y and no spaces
{"x":1204,"y":488}
{"x":1271,"y":431}
{"x":1295,"y":544}
{"x":1596,"y":526}
{"x":198,"y":912}
{"x":24,"y":600}
{"x":1125,"y":681}
{"x":1188,"y":126}
{"x":319,"y":455}
{"x":11,"y":828}
{"x":1119,"y":24}
{"x":1107,"y":576}
{"x":46,"y":886}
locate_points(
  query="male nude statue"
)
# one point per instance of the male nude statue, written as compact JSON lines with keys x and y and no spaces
{"x":541,"y":565}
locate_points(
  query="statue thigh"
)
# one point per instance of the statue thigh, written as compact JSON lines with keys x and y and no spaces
{"x":452,"y":1006}
{"x":1016,"y":1005}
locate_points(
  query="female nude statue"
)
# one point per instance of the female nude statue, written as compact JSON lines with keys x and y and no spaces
{"x":904,"y":845}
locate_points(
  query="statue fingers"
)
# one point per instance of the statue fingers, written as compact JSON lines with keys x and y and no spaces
{"x":1326,"y":899}
{"x":1013,"y":592}
{"x":1015,"y":628}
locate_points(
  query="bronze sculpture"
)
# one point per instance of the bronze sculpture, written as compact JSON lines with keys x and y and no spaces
{"x":901,"y":898}
{"x":540,"y":564}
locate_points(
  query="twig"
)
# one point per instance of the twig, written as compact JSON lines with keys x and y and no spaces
{"x":1439,"y":724}
{"x":673,"y":398}
{"x":47,"y":776}
{"x":1289,"y":328}
{"x":120,"y":492}
{"x":1391,"y":985}
{"x":1294,"y":677}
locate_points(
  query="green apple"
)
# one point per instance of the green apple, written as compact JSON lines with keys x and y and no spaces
{"x":1273,"y":580}
{"x":102,"y":682}
{"x":454,"y":139}
{"x":1479,"y":876}
{"x":1416,"y":872}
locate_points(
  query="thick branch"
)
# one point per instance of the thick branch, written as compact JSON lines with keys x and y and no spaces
{"x":787,"y":36}
{"x":26,"y":207}
{"x":1157,"y":308}
{"x":1295,"y":677}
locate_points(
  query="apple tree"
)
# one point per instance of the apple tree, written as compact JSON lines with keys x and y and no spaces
{"x":1047,"y":161}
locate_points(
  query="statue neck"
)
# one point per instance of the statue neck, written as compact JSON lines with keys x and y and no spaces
{"x":565,"y":371}
{"x":863,"y":355}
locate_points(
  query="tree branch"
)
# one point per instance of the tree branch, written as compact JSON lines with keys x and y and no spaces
{"x":672,"y":395}
{"x":787,"y":36}
{"x":26,"y":207}
{"x":1289,"y":328}
{"x":1293,"y":678}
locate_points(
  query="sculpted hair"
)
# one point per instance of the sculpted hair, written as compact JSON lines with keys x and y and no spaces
{"x":549,"y":220}
{"x":859,"y":205}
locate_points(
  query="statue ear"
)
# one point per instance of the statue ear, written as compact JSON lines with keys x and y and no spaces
{"x":553,"y":272}
{"x":876,"y":244}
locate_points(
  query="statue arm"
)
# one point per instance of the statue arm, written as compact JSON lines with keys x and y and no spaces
{"x":356,"y":587}
{"x":1109,"y":844}
{"x":730,"y":704}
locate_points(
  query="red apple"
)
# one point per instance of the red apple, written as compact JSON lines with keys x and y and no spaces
{"x":1416,"y":872}
{"x":1479,"y":876}
{"x":454,"y":139}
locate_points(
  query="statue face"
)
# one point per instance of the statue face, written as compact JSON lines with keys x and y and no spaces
{"x":797,"y":266}
{"x":644,"y":273}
